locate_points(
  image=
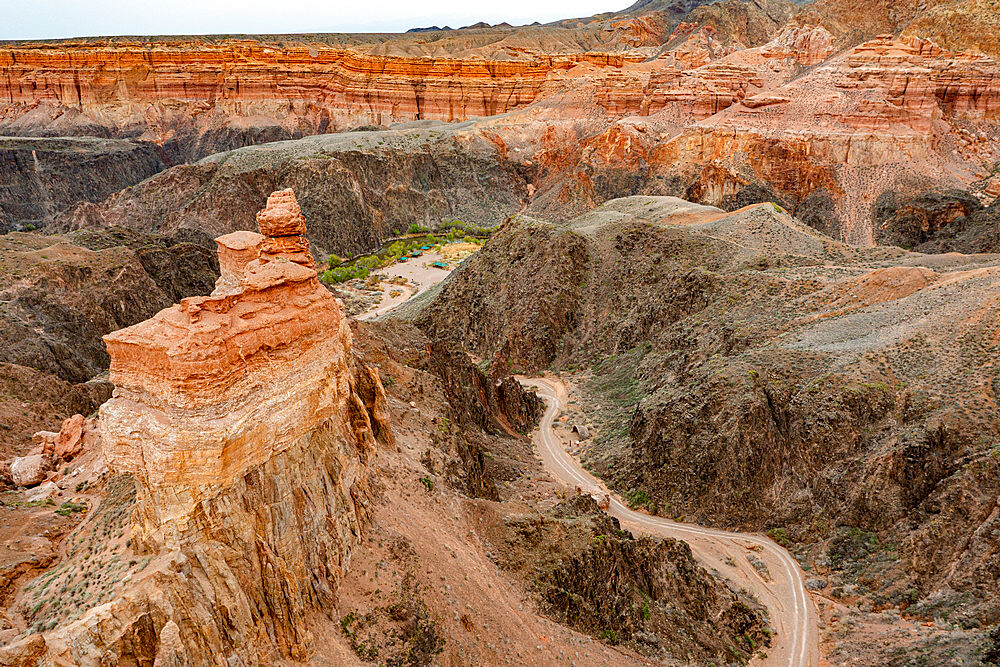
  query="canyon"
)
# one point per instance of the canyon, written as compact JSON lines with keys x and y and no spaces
{"x":746,"y":250}
{"x":243,"y":456}
{"x":739,"y":103}
{"x":746,"y":372}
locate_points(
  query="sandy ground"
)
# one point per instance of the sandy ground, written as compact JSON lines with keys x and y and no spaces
{"x":779,"y":586}
{"x":420,"y":274}
{"x":445,"y":543}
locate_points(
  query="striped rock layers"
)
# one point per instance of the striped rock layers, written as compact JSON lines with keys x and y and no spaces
{"x":248,"y":427}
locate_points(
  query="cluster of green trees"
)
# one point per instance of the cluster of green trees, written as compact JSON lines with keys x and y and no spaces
{"x":339,"y":272}
{"x":360,"y":268}
{"x":467,"y":229}
{"x":455,"y":229}
{"x":363,"y":266}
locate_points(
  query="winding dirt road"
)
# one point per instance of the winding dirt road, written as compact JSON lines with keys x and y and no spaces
{"x":778,"y":584}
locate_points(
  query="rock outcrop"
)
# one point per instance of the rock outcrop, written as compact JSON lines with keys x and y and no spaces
{"x":42,"y":177}
{"x":248,"y":427}
{"x":769,"y":376}
{"x":29,"y":470}
{"x":76,"y":434}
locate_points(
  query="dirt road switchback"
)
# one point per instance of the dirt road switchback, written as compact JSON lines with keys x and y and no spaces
{"x":737,"y":556}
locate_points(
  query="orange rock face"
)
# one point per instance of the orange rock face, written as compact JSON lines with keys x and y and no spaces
{"x":870,"y":120}
{"x":284,"y":230}
{"x":248,"y":426}
{"x":265,"y":359}
{"x":307,"y":88}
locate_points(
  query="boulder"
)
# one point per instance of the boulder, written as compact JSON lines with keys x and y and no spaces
{"x":29,"y":470}
{"x":69,"y":442}
{"x":43,"y":492}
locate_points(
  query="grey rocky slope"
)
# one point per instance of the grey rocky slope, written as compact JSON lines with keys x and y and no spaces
{"x":746,"y":371}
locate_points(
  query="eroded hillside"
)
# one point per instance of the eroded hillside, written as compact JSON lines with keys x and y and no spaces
{"x":725,"y":103}
{"x":744,"y":239}
{"x":253,"y":490}
{"x":743,"y":370}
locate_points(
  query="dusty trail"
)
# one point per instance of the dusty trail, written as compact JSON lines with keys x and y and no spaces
{"x":780,"y":588}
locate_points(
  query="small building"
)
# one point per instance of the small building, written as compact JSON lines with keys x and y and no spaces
{"x":582,"y":430}
{"x":439,"y":265}
{"x":416,"y":253}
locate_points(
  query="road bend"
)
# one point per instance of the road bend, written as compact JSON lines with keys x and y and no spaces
{"x":778,"y":584}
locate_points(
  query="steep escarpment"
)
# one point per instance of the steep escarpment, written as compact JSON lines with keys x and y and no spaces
{"x":748,"y":371}
{"x":940,"y":222}
{"x":247,"y":426}
{"x":650,"y":595}
{"x":40,"y":178}
{"x":230,"y":93}
{"x":886,"y":115}
{"x":356,"y":188}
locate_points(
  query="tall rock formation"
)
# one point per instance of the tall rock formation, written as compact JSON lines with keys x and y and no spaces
{"x":248,"y":427}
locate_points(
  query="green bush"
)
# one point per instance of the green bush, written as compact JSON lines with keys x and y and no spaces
{"x":69,"y":508}
{"x":637,"y":498}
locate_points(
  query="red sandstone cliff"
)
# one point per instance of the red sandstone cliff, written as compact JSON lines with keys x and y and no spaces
{"x":159,"y":90}
{"x":724,"y":107}
{"x":248,"y":426}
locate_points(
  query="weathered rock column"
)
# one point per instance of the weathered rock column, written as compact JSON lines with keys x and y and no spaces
{"x":248,"y":425}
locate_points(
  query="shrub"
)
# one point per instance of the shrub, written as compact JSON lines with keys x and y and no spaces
{"x":636,"y":498}
{"x":780,"y":535}
{"x":69,"y":508}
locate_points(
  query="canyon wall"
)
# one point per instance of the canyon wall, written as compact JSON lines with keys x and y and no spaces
{"x":197,"y":98}
{"x":734,"y":105}
{"x":42,"y":177}
{"x":356,"y":188}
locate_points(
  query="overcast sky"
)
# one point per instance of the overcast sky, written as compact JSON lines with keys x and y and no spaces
{"x":44,"y":19}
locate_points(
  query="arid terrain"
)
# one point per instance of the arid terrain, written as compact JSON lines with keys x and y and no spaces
{"x":667,"y":335}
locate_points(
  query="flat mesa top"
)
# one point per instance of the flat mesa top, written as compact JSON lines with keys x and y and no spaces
{"x":241,"y":240}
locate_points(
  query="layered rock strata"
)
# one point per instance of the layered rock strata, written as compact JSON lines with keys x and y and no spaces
{"x":42,"y":177}
{"x":92,"y":88}
{"x":248,"y":426}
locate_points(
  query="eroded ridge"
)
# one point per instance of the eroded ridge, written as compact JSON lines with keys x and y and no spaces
{"x":248,"y":427}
